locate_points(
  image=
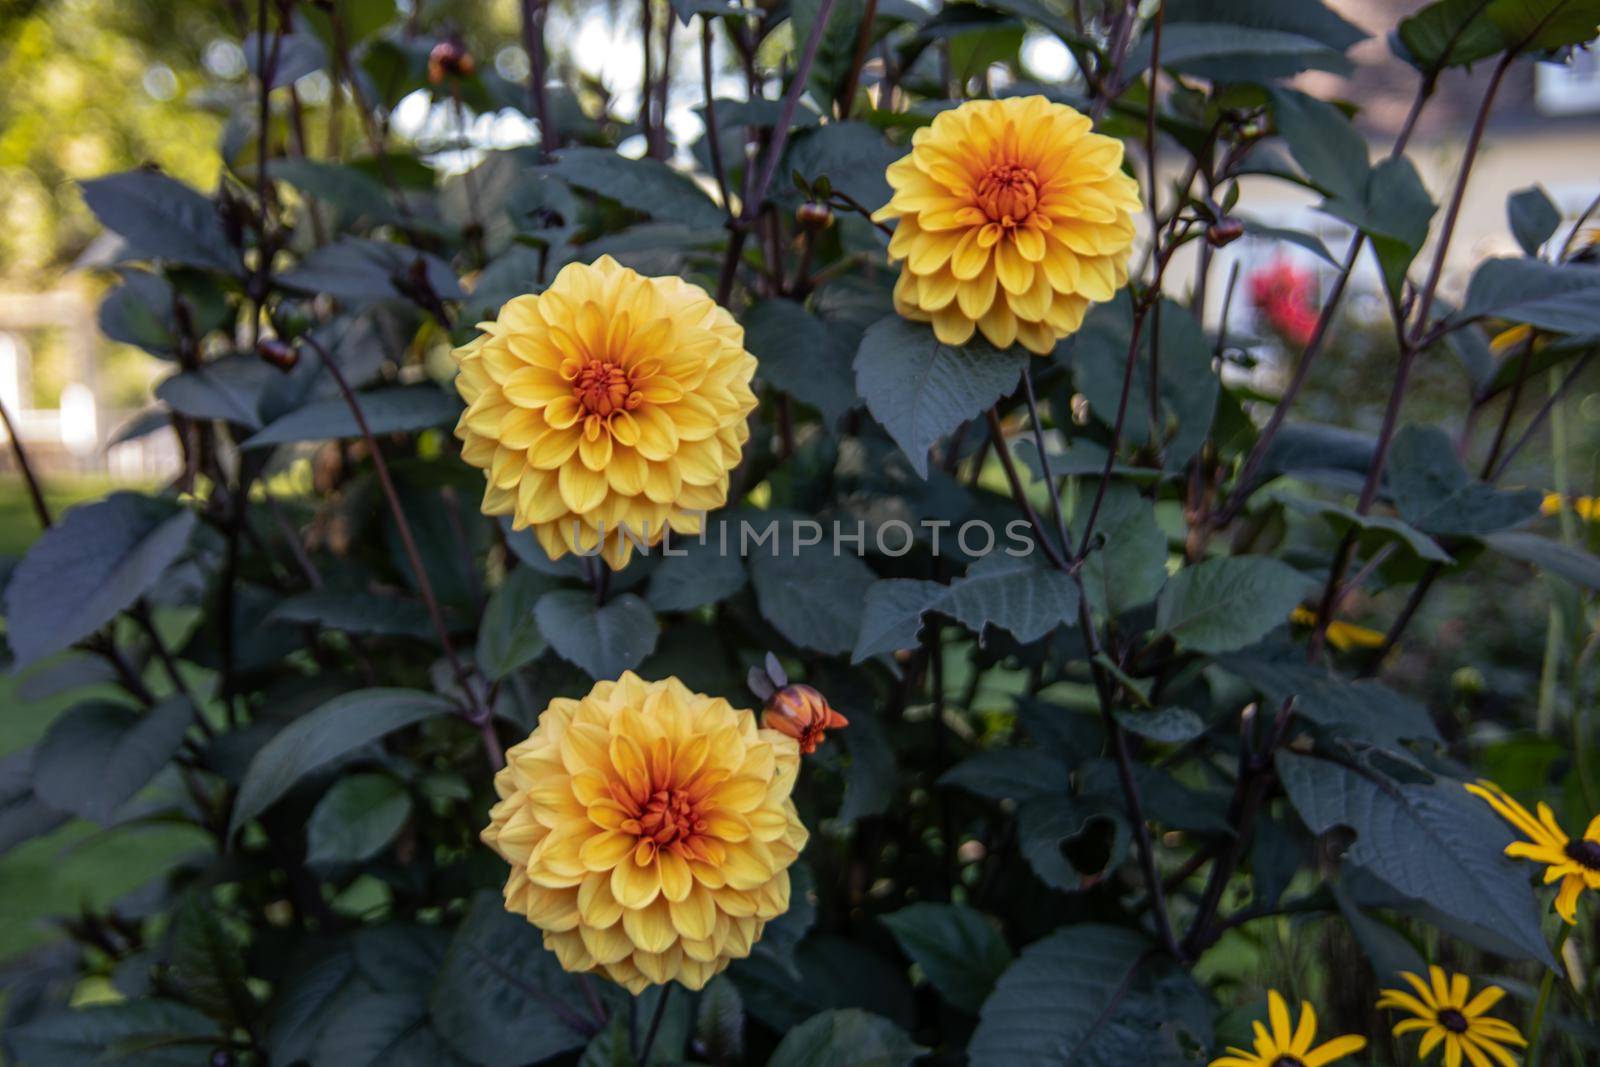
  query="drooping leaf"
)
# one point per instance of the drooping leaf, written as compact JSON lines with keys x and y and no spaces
{"x":1375,"y":529}
{"x":1545,"y":25}
{"x":353,"y":192}
{"x":719,"y":1022}
{"x":161,"y":218}
{"x":501,"y":998}
{"x":604,"y":640}
{"x":1533,"y":217}
{"x":920,"y":389}
{"x":1224,"y":52}
{"x":811,"y":596}
{"x":1130,"y":566}
{"x":1168,"y":726}
{"x":1393,"y":210}
{"x":395,"y":409}
{"x":1435,"y":844}
{"x":848,"y":1037}
{"x":1227,"y":603}
{"x":319,"y":737}
{"x":645,"y":185}
{"x":206,"y":960}
{"x":1021,"y":595}
{"x":228,"y":389}
{"x":1435,"y":493}
{"x":90,"y":566}
{"x":960,"y":952}
{"x":23,"y":816}
{"x":99,"y":754}
{"x":1561,"y":298}
{"x":356,"y":818}
{"x":802,"y":355}
{"x":1009,"y":774}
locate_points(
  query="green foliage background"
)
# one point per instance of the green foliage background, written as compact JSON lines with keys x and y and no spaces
{"x":1090,"y":804}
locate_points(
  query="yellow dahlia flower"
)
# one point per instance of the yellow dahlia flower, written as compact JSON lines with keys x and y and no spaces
{"x":1575,"y":864}
{"x":649,"y":831}
{"x":1286,"y":1045}
{"x":1446,"y":1013}
{"x":1014,"y":217}
{"x":607,"y":408}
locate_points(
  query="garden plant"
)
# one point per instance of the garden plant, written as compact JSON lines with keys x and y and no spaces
{"x":820,"y":590}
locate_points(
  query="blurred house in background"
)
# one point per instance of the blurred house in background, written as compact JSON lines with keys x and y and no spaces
{"x":1544,"y":130}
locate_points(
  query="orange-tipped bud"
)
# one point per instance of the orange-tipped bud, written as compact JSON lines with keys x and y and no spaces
{"x":802,"y":713}
{"x":450,"y":58}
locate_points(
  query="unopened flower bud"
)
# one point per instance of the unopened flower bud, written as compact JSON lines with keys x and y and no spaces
{"x":450,"y":58}
{"x":279,"y":354}
{"x":814,"y":216}
{"x":803,"y":714}
{"x":1224,"y":231}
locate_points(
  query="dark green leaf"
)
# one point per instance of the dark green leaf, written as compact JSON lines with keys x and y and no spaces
{"x":1449,"y":33}
{"x":1574,"y":564}
{"x":1167,"y":726}
{"x":812,"y":597}
{"x":851,"y":155}
{"x":353,"y":192}
{"x":1222,"y":604}
{"x":139,"y":312}
{"x":920,"y":389}
{"x":603,"y":640}
{"x":1563,"y":299}
{"x":1435,"y":493}
{"x":1324,"y":142}
{"x":319,"y":737}
{"x":1434,"y":844}
{"x":135,"y":1033}
{"x":161,"y":218}
{"x":1309,"y":241}
{"x":1009,"y":774}
{"x":299,"y":54}
{"x":1533,"y":217}
{"x":90,"y":566}
{"x":719,"y":1021}
{"x":1070,"y":842}
{"x":355,"y":613}
{"x":1545,"y":25}
{"x":1050,"y":1005}
{"x":228,"y":389}
{"x":645,"y":185}
{"x":960,"y":951}
{"x":206,"y":960}
{"x":1394,"y":211}
{"x":509,"y":636}
{"x":501,"y":999}
{"x":845,"y":1038}
{"x":1376,"y":529}
{"x":1224,"y":52}
{"x":693,"y":575}
{"x":99,"y":754}
{"x":396,"y":409}
{"x":802,"y":355}
{"x":356,"y":819}
{"x":1019,"y":594}
{"x":23,"y":816}
{"x":358,"y":269}
{"x":1362,"y":710}
{"x":1130,"y":568}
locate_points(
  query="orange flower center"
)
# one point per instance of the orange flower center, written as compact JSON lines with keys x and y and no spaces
{"x":603,"y":388}
{"x":1008,"y":193}
{"x":669,"y":817}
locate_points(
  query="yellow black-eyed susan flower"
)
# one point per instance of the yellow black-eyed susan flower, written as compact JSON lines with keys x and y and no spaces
{"x":1287,"y":1045}
{"x":1444,"y":1010}
{"x":1575,"y":864}
{"x":1340,"y":634}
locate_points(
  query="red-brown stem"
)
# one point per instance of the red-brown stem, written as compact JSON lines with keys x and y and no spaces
{"x":713,"y":135}
{"x":533,"y":12}
{"x":846,"y":96}
{"x":41,"y":509}
{"x":478,"y":715}
{"x":997,"y":437}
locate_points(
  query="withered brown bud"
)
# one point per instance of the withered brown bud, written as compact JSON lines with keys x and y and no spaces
{"x":276,"y":352}
{"x":450,"y":58}
{"x":814,"y":216}
{"x":1224,"y":231}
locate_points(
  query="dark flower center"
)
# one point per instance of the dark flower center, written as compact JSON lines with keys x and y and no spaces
{"x":1584,"y":853}
{"x":1287,"y":1061}
{"x":1453,"y":1021}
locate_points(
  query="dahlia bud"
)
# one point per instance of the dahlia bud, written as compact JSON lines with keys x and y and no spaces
{"x":1224,"y":231}
{"x":802,"y":713}
{"x":814,"y":216}
{"x":280,"y":355}
{"x":450,"y":57}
